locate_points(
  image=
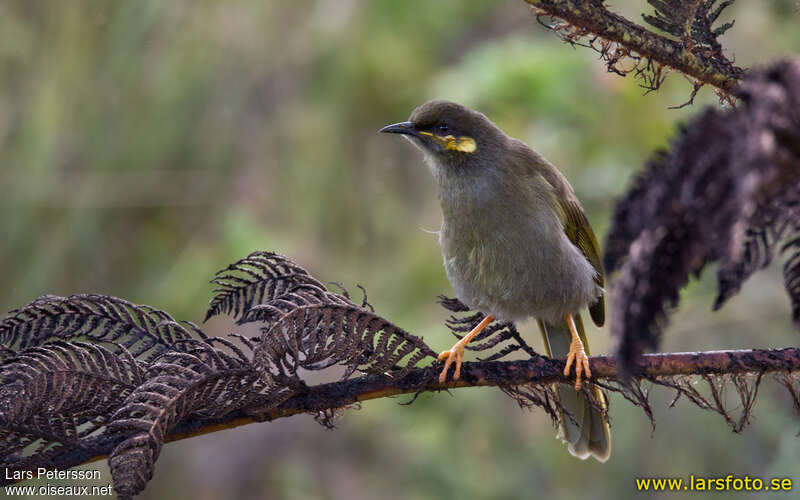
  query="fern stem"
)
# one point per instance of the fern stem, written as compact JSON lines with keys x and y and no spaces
{"x":538,"y":371}
{"x":593,"y":17}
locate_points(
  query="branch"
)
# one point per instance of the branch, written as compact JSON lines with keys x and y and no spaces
{"x":592,"y":17}
{"x":327,"y":398}
{"x":727,"y":190}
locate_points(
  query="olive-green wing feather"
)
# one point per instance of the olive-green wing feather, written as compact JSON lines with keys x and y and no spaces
{"x":579,"y":232}
{"x":576,"y":225}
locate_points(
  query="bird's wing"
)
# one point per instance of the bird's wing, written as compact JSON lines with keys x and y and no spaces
{"x":579,"y":232}
{"x":576,"y":225}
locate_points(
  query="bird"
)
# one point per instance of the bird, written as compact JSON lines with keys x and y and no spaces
{"x":516,"y":244}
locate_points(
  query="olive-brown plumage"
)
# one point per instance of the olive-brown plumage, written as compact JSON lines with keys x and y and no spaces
{"x":516,"y":244}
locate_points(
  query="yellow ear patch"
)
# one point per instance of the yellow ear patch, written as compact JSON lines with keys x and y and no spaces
{"x":463,"y":144}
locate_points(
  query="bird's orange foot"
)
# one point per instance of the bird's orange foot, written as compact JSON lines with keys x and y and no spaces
{"x":456,"y":353}
{"x":577,"y":355}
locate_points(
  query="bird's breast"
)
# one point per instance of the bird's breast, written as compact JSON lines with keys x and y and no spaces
{"x":514,"y":263}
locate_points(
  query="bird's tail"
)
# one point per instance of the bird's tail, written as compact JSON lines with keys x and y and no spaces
{"x":587,"y":432}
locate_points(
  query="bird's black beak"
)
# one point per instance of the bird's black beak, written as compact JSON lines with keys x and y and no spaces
{"x":406,"y":128}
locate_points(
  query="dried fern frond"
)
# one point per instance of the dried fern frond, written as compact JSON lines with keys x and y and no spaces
{"x":144,"y":331}
{"x":494,"y":335}
{"x":61,"y":397}
{"x":791,"y":270}
{"x":692,"y":23}
{"x":633,"y":212}
{"x":258,"y":278}
{"x":754,"y":247}
{"x":690,"y":45}
{"x":309,"y":327}
{"x":313,"y":329}
{"x":58,"y":395}
{"x":504,"y":339}
{"x":661,"y":261}
{"x":673,"y":16}
{"x":300,"y":296}
{"x":725,"y":192}
{"x":196,"y":380}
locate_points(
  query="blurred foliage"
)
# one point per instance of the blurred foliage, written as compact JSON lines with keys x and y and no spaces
{"x":146,"y":144}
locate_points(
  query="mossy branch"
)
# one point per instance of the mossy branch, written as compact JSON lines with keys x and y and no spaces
{"x":325,"y":400}
{"x":695,"y":53}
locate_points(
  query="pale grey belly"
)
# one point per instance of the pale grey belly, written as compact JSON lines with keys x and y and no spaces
{"x":520,"y":275}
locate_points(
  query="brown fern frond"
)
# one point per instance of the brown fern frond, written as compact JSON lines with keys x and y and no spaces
{"x":690,"y":44}
{"x":314,"y":329}
{"x":195,"y":380}
{"x":692,"y":23}
{"x":725,"y":192}
{"x":144,"y":331}
{"x":506,"y":336}
{"x":302,"y":295}
{"x":715,"y":396}
{"x":791,"y":272}
{"x":755,"y":248}
{"x":661,"y":261}
{"x":257,"y":279}
{"x":633,"y":212}
{"x":58,"y":395}
{"x":493,"y":335}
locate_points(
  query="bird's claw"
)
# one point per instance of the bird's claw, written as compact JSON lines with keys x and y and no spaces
{"x":577,"y":355}
{"x":455,"y":354}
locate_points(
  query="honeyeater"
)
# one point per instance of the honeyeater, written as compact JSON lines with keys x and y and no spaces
{"x":516,"y":244}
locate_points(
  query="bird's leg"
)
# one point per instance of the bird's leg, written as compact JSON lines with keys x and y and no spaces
{"x":576,"y":354}
{"x":456,"y":353}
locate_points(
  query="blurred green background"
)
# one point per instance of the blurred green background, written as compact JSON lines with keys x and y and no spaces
{"x":146,"y":144}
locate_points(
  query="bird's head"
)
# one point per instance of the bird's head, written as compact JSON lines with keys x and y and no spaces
{"x":450,"y":134}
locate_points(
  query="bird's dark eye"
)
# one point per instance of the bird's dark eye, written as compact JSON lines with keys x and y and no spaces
{"x":443,"y":127}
